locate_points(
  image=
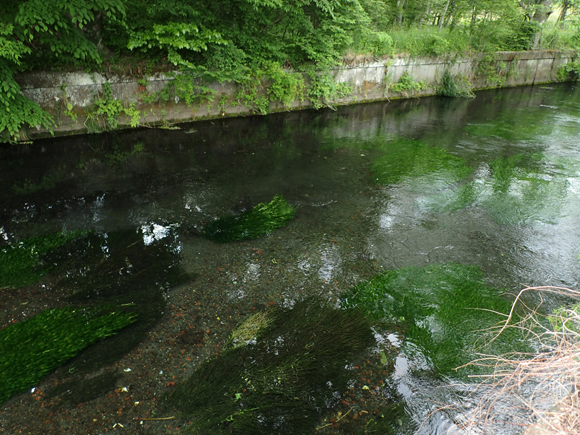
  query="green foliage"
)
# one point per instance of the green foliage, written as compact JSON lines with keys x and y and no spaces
{"x":69,"y":111}
{"x":426,"y":41}
{"x":58,"y":25}
{"x":16,"y":111}
{"x":369,"y":41}
{"x":35,"y":33}
{"x":492,"y":70}
{"x":252,"y":93}
{"x":175,"y":37}
{"x":31,"y":349}
{"x":458,"y":86}
{"x":513,"y":33}
{"x":442,"y":310}
{"x":407,"y":84}
{"x":108,"y":108}
{"x":195,"y":33}
{"x":285,"y":86}
{"x":561,"y":36}
{"x":291,"y":366}
{"x":23,"y":263}
{"x":323,"y":89}
{"x":187,"y":86}
{"x":104,"y":115}
{"x":257,"y":222}
{"x":569,"y":71}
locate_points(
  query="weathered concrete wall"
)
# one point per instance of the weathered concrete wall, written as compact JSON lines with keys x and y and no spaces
{"x":69,"y":97}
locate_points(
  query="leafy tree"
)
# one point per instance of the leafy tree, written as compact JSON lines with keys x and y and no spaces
{"x":226,"y":34}
{"x":15,"y":109}
{"x":566,"y":7}
{"x":244,"y":40}
{"x":35,"y":32}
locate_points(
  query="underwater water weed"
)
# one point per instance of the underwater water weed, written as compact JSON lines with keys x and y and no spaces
{"x":120,"y":268}
{"x":513,"y":126}
{"x":293,"y":370}
{"x":416,"y":162}
{"x":442,"y":308}
{"x":31,"y":349}
{"x":257,"y":222}
{"x":21,"y":263}
{"x":517,"y":189}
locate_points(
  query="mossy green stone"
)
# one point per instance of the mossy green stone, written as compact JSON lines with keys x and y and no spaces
{"x":257,"y":222}
{"x":29,"y":350}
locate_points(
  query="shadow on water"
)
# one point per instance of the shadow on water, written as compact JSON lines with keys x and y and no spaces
{"x":128,"y":269}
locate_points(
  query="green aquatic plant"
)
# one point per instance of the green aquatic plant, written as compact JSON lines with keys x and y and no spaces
{"x":21,"y":263}
{"x":32,"y":348}
{"x":294,"y":369}
{"x":441,"y":309}
{"x":415,"y":162}
{"x":517,"y":189}
{"x":257,"y":222}
{"x":514,"y":125}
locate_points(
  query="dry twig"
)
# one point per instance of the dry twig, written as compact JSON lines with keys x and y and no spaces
{"x":542,"y":388}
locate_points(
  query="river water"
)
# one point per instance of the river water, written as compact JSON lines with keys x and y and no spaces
{"x":431,"y":191}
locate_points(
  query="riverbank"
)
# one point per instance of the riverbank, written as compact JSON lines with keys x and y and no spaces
{"x":92,"y":102}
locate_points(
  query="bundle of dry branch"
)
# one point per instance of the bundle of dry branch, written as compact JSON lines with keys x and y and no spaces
{"x":538,"y":392}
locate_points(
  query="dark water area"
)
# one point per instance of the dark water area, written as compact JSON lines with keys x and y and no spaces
{"x":410,"y":211}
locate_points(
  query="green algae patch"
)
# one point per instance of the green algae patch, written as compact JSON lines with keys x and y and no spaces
{"x":31,"y":349}
{"x":257,"y":222}
{"x":282,"y":370}
{"x":443,"y":311}
{"x":518,"y":189}
{"x":22,"y":263}
{"x":418,"y":164}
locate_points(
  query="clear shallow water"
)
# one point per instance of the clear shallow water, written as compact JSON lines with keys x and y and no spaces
{"x":492,"y":182}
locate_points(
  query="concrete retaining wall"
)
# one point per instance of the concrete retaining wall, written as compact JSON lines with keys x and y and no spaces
{"x":66,"y":94}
